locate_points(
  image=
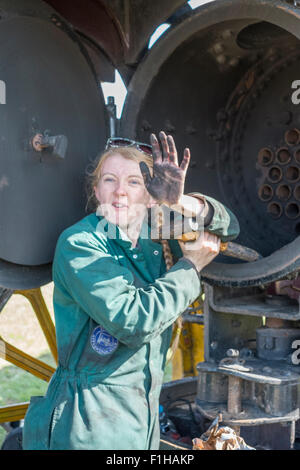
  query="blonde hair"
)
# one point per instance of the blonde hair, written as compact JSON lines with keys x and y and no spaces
{"x":131,"y":153}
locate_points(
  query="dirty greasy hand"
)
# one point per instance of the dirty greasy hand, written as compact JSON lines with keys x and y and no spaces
{"x":202,"y":251}
{"x":167,"y":183}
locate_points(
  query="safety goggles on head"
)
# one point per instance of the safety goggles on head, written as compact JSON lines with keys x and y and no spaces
{"x":114,"y":142}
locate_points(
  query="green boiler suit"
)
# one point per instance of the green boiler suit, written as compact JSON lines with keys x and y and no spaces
{"x":114,"y":310}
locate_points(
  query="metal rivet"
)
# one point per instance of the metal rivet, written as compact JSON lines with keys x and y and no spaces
{"x":221,"y":59}
{"x":226,"y":34}
{"x":146,"y":126}
{"x":169,"y":126}
{"x":218,"y":48}
{"x":234,"y":61}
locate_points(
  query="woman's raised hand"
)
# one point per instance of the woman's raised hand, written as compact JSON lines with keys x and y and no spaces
{"x":166,"y":185}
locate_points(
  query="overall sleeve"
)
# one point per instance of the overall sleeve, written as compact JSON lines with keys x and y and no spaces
{"x":218,"y":219}
{"x":105,"y":290}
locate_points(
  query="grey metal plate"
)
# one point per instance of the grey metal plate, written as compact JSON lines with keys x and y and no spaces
{"x":49,"y":86}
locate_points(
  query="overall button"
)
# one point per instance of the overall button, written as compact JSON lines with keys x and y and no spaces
{"x":155,"y":252}
{"x":135,"y":256}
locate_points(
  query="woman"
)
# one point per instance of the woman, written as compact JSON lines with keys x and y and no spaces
{"x":115,"y":304}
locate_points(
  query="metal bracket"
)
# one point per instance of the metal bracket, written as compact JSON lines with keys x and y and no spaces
{"x":58,"y":143}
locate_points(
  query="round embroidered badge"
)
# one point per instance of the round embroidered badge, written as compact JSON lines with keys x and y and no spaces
{"x":102,"y":342}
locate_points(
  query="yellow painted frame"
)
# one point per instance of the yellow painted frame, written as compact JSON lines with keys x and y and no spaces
{"x":19,"y":358}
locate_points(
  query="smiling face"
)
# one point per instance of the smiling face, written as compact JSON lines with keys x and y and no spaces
{"x":121,"y":191}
